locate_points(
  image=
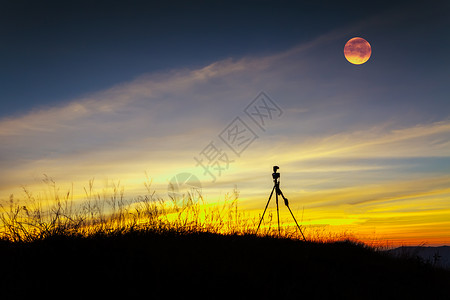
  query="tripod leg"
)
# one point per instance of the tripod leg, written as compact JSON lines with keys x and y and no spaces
{"x":296,"y":223}
{"x":262,"y":217}
{"x":278,"y":214}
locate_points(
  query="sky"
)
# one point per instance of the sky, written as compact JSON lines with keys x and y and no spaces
{"x":223,"y":91}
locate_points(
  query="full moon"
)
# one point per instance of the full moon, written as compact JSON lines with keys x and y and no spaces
{"x":357,"y":50}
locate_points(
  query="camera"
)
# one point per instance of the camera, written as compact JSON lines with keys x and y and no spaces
{"x":275,"y":175}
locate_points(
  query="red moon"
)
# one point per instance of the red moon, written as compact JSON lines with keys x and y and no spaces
{"x":357,"y":50}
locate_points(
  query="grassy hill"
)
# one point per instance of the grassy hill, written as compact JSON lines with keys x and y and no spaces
{"x":155,"y":264}
{"x":111,"y":246}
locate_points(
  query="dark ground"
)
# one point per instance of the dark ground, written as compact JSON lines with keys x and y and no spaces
{"x":154,"y":265}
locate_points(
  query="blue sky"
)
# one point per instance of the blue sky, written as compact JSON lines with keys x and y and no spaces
{"x":111,"y":91}
{"x":53,"y":51}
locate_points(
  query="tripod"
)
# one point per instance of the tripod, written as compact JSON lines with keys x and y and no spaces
{"x":276,"y":188}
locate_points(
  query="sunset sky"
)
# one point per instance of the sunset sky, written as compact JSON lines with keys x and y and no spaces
{"x":115,"y":91}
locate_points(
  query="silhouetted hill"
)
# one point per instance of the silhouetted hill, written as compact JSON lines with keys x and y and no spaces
{"x":171,"y":264}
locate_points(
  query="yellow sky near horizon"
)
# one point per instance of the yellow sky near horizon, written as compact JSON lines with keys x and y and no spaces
{"x":330,"y":193}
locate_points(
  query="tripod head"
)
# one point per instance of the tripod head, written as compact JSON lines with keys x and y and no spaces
{"x":275,"y":175}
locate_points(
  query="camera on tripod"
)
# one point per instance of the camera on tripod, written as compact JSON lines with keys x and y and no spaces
{"x":278,"y":192}
{"x":275,"y":175}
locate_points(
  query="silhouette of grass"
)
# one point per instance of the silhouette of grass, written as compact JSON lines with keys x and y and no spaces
{"x":109,"y":246}
{"x":36,"y":218}
{"x":173,"y":263}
